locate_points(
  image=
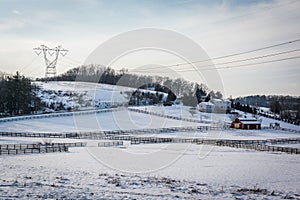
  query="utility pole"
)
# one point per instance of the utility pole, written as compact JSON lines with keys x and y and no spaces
{"x":48,"y":53}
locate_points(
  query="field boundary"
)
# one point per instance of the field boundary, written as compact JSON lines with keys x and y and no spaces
{"x":100,"y":134}
{"x":168,"y":116}
{"x":259,"y":145}
{"x":13,"y":149}
{"x":63,"y":114}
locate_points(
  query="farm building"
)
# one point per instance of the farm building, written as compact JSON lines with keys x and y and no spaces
{"x":246,"y":123}
{"x":215,"y":105}
{"x":221,"y":105}
{"x":206,"y":107}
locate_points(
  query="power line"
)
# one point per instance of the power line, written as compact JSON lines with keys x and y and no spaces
{"x":257,"y":63}
{"x":237,"y":61}
{"x":69,"y":63}
{"x":73,"y":60}
{"x":244,"y":52}
{"x":237,"y":66}
{"x":234,"y":54}
{"x":29,"y":64}
{"x":259,"y":57}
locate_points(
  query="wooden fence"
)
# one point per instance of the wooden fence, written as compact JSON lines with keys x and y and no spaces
{"x":110,"y":143}
{"x":40,"y":135}
{"x":10,"y":149}
{"x":289,"y":130}
{"x":221,"y":125}
{"x":259,"y":145}
{"x":167,"y":116}
{"x":263,"y":147}
{"x":101,"y":134}
{"x":63,"y":114}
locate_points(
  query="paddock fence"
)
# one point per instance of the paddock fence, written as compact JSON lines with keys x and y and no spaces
{"x":167,"y":116}
{"x":110,"y":143}
{"x":12,"y":149}
{"x":259,"y":145}
{"x":103,"y":134}
{"x":63,"y":114}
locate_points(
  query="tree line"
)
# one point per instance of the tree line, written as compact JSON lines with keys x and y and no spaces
{"x":17,"y":96}
{"x":190,"y":93}
{"x":284,"y":108}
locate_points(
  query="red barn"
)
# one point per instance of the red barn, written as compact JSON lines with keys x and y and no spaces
{"x":246,"y":123}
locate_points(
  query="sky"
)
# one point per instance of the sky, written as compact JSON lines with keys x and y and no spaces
{"x":219,"y":28}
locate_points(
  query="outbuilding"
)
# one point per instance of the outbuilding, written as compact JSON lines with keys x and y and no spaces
{"x":206,"y":107}
{"x":246,"y":123}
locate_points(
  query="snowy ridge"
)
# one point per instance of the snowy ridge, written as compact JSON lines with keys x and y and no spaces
{"x":63,"y":95}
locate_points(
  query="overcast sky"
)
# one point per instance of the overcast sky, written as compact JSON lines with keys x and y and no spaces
{"x":218,"y":27}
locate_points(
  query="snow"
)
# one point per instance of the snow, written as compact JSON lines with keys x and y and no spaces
{"x":267,"y":121}
{"x":81,"y":95}
{"x":185,"y":112}
{"x":264,"y":109}
{"x":117,"y":120}
{"x":223,"y":173}
{"x":128,"y":120}
{"x":145,"y":171}
{"x":251,"y":122}
{"x":233,"y":134}
{"x":289,"y":145}
{"x":103,"y":92}
{"x":148,"y":170}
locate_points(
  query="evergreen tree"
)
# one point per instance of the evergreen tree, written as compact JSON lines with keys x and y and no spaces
{"x":17,"y":96}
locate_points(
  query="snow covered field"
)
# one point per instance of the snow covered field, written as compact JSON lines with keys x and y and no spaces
{"x":186,"y":112}
{"x":146,"y":171}
{"x":127,"y":120}
{"x":150,"y":171}
{"x":224,"y":173}
{"x":117,"y":120}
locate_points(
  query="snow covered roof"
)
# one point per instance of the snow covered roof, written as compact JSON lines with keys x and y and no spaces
{"x":248,"y":119}
{"x":207,"y":103}
{"x":251,"y":122}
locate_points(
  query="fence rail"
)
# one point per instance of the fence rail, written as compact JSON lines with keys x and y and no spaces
{"x":263,"y":147}
{"x":101,"y":134}
{"x":168,"y":116}
{"x":259,"y":145}
{"x":110,"y":143}
{"x":64,"y":114}
{"x":10,"y":149}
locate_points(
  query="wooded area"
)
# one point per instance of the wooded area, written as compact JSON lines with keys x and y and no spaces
{"x":17,"y":96}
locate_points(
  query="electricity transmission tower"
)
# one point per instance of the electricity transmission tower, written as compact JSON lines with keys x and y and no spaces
{"x":50,"y":62}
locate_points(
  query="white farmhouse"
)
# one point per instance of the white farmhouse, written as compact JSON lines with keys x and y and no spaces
{"x":221,"y":105}
{"x":206,"y":107}
{"x":215,"y":105}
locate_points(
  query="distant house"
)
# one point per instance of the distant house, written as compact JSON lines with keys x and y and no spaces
{"x":246,"y":123}
{"x":221,"y":105}
{"x":206,"y":107}
{"x":215,"y":105}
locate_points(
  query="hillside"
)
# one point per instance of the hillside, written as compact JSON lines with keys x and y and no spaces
{"x":81,"y":95}
{"x":72,"y":96}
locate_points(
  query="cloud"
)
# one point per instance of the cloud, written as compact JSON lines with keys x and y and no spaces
{"x":220,"y":27}
{"x":16,"y":12}
{"x":10,"y":25}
